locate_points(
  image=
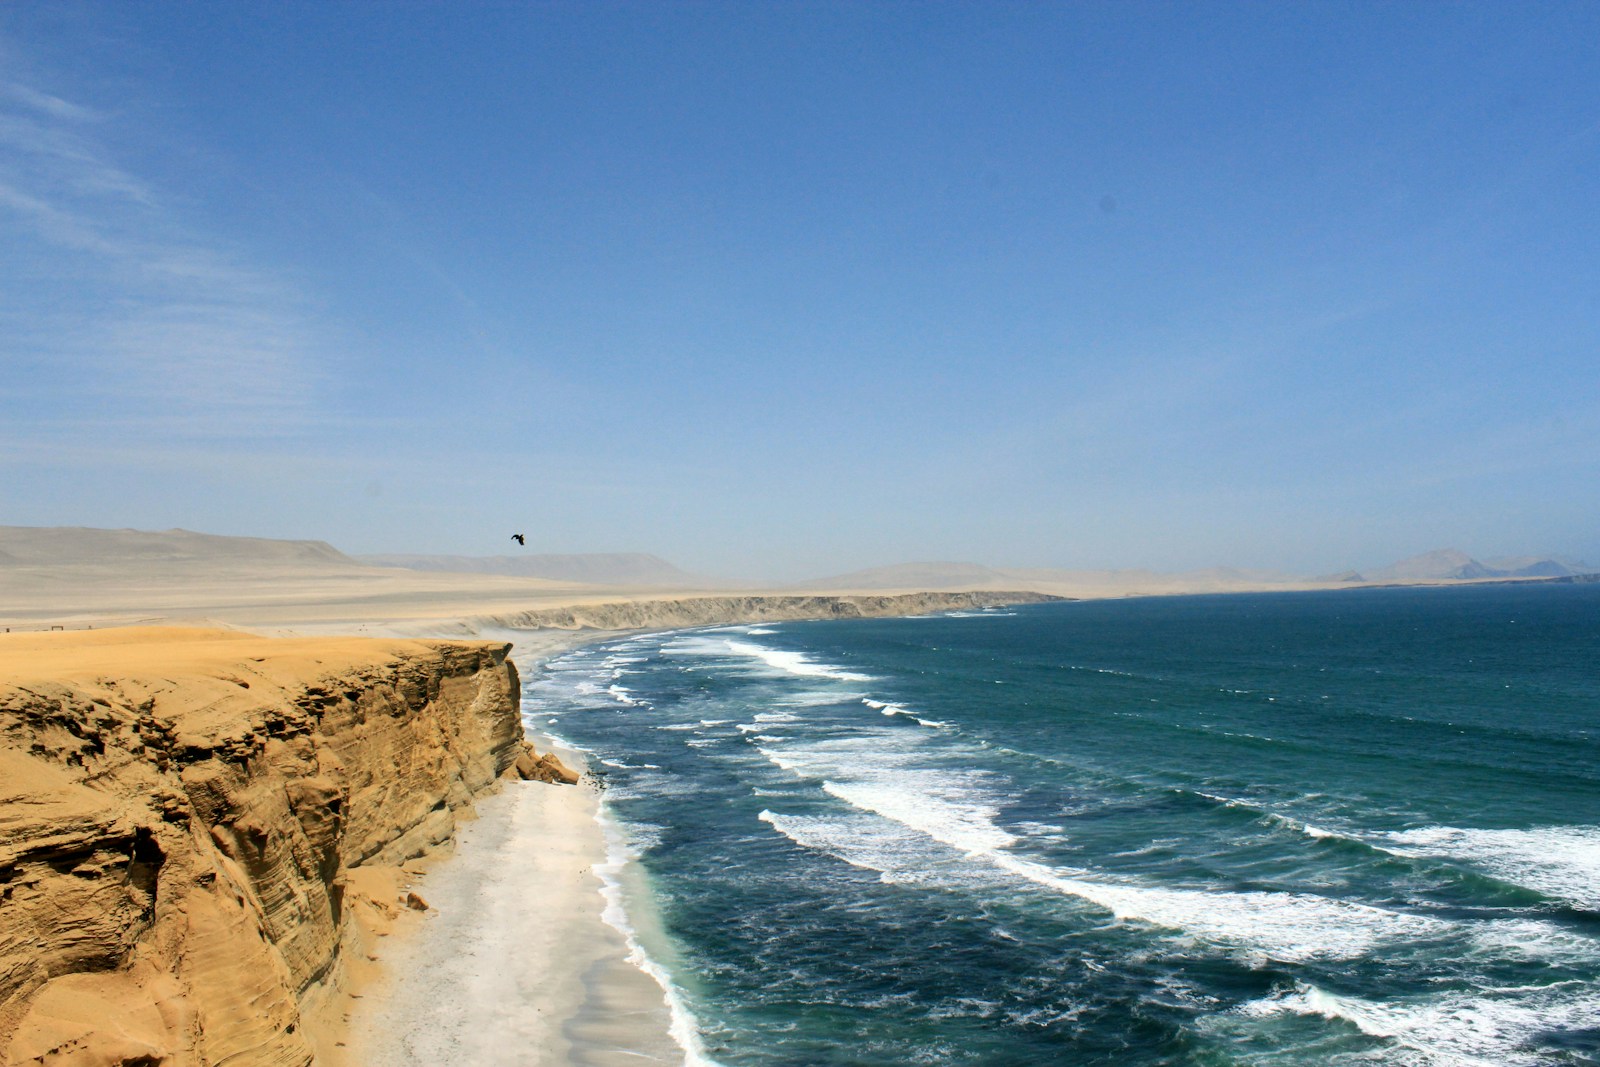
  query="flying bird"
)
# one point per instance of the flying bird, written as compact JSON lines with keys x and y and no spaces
{"x":519,"y":539}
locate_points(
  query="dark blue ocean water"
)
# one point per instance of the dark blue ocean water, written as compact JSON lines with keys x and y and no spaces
{"x":1325,"y":828}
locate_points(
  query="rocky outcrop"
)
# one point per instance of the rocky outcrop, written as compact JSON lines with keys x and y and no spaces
{"x":721,"y":610}
{"x":180,"y":810}
{"x":532,"y":767}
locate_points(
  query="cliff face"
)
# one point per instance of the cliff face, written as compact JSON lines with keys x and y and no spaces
{"x":178,"y":813}
{"x":719,"y":610}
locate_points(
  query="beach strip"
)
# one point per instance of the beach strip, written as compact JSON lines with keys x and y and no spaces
{"x":514,"y":961}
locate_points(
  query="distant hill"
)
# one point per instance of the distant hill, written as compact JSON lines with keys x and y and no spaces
{"x":1451,"y":564}
{"x":945,"y":575}
{"x":1538,"y":566}
{"x":595,"y":568}
{"x":53,"y":546}
{"x":1439,"y":564}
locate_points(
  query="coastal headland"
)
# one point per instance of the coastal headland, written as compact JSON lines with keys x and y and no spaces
{"x":207,"y":834}
{"x":240,"y":795}
{"x":199,"y":828}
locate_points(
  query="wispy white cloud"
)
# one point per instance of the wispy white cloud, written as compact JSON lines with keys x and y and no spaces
{"x":45,"y":104}
{"x":115,"y":310}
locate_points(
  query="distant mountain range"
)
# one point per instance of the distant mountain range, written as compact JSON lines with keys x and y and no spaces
{"x":590,"y":568}
{"x":1446,"y":564}
{"x":48,"y":546}
{"x":41,"y":550}
{"x":942,"y":575}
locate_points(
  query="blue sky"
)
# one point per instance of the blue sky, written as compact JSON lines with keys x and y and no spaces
{"x":786,"y":289}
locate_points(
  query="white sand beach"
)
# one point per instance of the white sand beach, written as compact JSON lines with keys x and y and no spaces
{"x":513,"y":963}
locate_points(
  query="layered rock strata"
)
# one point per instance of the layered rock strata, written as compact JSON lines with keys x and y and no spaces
{"x":182,"y":814}
{"x":724,"y":610}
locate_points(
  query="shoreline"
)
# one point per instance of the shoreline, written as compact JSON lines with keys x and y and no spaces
{"x":520,"y":958}
{"x":514,"y":960}
{"x":205,"y":831}
{"x":526,"y":954}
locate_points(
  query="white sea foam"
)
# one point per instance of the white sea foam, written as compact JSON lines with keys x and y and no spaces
{"x":1534,"y":939}
{"x":622,"y":765}
{"x":1481,"y":1028}
{"x":1562,"y":862}
{"x":964,"y":827}
{"x":1041,"y":830}
{"x":684,"y":1028}
{"x":622,"y":695}
{"x":696,"y":645}
{"x":655,"y":786}
{"x":551,"y":735}
{"x":783,"y":764}
{"x":797,"y":663}
{"x":888,"y":709}
{"x":1277,"y":819}
{"x":953,"y":811}
{"x":816,"y":698}
{"x":766,"y":720}
{"x":1284,"y":926}
{"x":872,"y":844}
{"x":900,"y":709}
{"x":882,"y":773}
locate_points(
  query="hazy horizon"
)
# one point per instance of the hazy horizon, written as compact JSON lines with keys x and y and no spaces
{"x":784,"y":291}
{"x":41,"y":548}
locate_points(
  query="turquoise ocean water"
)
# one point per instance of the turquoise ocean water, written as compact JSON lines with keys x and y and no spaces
{"x":1326,"y":828}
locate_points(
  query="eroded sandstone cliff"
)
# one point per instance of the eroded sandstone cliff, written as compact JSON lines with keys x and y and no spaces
{"x":180,"y":812}
{"x":722,"y":610}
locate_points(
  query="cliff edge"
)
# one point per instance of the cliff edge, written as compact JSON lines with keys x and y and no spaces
{"x":664,"y":614}
{"x":183,"y":814}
